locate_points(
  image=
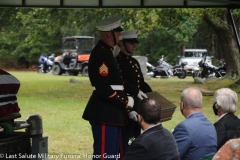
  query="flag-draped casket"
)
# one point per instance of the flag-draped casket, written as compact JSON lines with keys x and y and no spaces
{"x":9,"y":86}
{"x":11,"y":143}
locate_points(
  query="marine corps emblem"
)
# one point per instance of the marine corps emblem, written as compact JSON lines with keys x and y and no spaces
{"x":103,"y":70}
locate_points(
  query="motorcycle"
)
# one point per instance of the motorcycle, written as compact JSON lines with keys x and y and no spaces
{"x":150,"y":68}
{"x":207,"y":70}
{"x":46,"y":63}
{"x":165,"y":70}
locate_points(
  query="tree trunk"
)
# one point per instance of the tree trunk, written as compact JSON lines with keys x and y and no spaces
{"x":226,"y":39}
{"x":212,"y":44}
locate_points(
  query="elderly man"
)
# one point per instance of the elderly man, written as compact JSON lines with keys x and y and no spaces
{"x":228,"y":125}
{"x":196,"y":136}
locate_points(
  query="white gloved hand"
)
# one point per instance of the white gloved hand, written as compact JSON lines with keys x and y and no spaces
{"x":130,"y":102}
{"x":133,"y":115}
{"x":141,"y":95}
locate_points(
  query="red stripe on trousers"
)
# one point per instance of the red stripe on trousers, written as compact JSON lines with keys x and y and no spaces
{"x":8,"y":109}
{"x":121,"y":148}
{"x":103,"y":141}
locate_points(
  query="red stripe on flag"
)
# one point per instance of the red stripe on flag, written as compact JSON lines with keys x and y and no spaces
{"x":8,"y":83}
{"x":103,"y":140}
{"x":9,"y":108}
{"x":9,"y":88}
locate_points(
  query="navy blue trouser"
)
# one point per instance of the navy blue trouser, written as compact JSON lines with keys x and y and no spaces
{"x":133,"y":129}
{"x":107,"y":141}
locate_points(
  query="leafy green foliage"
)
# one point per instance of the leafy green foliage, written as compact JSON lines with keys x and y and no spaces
{"x":26,"y":33}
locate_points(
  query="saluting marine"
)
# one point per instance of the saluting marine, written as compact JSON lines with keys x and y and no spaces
{"x":132,"y":74}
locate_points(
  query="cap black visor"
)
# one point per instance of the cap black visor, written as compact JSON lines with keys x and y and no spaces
{"x":131,"y":40}
{"x":118,"y":29}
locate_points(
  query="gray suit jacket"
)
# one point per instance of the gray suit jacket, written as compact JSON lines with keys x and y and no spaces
{"x":156,"y":143}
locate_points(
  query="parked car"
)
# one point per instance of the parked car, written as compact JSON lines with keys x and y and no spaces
{"x":193,"y":57}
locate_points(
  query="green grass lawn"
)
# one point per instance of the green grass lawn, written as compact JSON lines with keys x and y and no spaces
{"x":61,"y":104}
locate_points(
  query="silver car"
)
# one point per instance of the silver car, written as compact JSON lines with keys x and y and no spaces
{"x":192,"y":57}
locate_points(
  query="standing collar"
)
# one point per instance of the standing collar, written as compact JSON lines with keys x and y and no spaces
{"x":101,"y":43}
{"x":124,"y":55}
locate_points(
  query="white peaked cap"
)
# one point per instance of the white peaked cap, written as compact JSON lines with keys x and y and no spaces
{"x":130,"y":34}
{"x":110,"y":24}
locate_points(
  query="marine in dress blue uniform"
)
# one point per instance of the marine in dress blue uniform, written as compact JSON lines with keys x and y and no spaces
{"x":129,"y":66}
{"x":132,"y":74}
{"x":106,"y":109}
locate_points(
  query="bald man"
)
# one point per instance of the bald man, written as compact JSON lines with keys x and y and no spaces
{"x":196,"y":136}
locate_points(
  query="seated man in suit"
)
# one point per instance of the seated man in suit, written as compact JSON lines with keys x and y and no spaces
{"x":228,"y":125}
{"x":196,"y":136}
{"x":155,"y":142}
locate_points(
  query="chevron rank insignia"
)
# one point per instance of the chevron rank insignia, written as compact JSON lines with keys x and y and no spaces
{"x":103,"y":70}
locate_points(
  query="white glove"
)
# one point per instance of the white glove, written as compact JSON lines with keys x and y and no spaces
{"x":115,"y":51}
{"x":141,"y":95}
{"x":133,"y":115}
{"x":130,"y":102}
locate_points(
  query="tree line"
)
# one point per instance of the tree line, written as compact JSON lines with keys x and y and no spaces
{"x":26,"y":33}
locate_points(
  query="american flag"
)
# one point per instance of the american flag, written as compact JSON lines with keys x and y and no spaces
{"x":9,"y":86}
